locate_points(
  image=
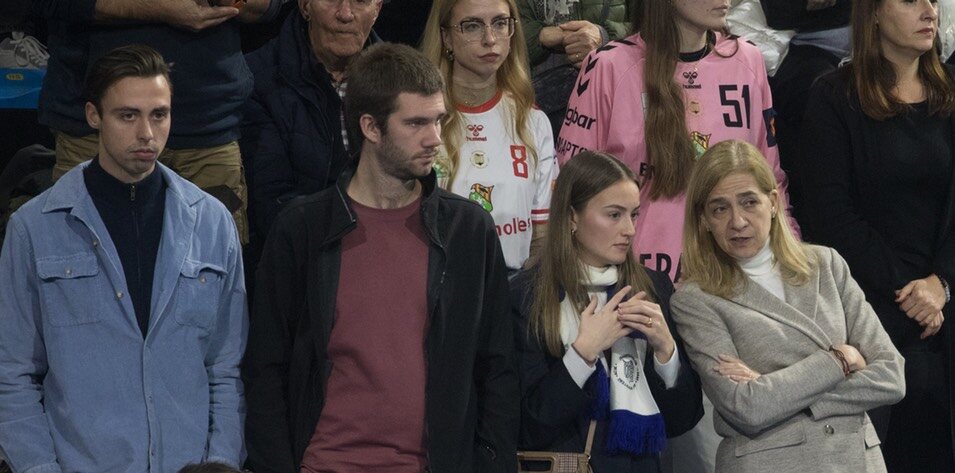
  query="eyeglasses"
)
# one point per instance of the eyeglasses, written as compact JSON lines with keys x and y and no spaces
{"x":473,"y":30}
{"x":353,"y":4}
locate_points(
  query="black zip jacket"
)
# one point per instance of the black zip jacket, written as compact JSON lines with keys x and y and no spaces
{"x":472,"y":393}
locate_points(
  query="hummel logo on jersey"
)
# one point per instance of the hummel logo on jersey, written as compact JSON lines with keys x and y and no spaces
{"x":474,"y":133}
{"x":583,"y":84}
{"x":691,"y":77}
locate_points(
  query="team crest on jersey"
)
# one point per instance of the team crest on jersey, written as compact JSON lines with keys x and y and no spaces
{"x":474,"y":133}
{"x":482,"y":195}
{"x":701,"y":142}
{"x":694,"y":107}
{"x":479,"y":159}
{"x":627,"y":371}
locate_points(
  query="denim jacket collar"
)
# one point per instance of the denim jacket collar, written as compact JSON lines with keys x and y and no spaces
{"x":63,"y":194}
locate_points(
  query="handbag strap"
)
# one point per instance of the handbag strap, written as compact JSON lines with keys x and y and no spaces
{"x":590,"y":437}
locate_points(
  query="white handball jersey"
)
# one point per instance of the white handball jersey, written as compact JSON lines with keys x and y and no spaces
{"x":498,"y":171}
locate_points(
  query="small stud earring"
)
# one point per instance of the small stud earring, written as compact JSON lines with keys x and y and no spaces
{"x":450,"y":54}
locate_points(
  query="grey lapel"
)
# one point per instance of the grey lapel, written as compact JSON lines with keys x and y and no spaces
{"x":798,"y":311}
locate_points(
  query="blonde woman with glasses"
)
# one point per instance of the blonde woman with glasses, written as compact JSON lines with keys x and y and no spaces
{"x":498,"y":148}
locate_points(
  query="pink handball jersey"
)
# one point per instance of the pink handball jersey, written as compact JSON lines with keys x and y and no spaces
{"x":726,"y":97}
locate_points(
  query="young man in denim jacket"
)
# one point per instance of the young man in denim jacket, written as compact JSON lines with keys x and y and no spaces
{"x":122,"y":308}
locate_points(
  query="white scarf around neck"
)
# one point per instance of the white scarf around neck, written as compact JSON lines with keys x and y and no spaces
{"x":629,"y":392}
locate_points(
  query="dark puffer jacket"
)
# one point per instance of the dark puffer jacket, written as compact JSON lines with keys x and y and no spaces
{"x":291,"y":131}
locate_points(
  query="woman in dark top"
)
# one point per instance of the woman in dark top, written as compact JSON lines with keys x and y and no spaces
{"x":878,"y":181}
{"x":594,"y":332}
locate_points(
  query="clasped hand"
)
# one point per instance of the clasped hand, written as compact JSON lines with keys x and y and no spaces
{"x":922,"y":300}
{"x":600,"y":329}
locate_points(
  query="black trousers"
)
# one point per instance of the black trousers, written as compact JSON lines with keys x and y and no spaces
{"x":920,"y":434}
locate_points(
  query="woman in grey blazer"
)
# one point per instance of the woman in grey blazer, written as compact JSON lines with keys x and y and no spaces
{"x":787,"y":348}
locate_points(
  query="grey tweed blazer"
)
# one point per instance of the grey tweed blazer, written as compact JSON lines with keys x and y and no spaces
{"x":802,"y":415}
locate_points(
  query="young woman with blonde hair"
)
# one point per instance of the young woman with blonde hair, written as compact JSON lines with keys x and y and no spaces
{"x":498,"y":149}
{"x":595,"y":338}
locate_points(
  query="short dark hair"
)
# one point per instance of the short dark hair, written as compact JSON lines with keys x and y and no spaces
{"x":209,"y":467}
{"x":134,"y":60}
{"x":376,"y":78}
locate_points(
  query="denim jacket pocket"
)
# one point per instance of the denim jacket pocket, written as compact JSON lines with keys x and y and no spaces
{"x":69,"y":288}
{"x":198,"y":295}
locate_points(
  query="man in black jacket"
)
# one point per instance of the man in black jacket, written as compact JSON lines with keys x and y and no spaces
{"x":380,"y":339}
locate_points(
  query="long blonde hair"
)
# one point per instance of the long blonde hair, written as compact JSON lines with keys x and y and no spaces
{"x":704,"y":262}
{"x":559,"y":269}
{"x":513,"y":79}
{"x":670,"y":151}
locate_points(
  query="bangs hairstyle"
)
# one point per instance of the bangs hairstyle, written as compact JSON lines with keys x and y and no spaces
{"x":560,"y":269}
{"x":704,"y":262}
{"x":513,"y":79}
{"x":134,"y":60}
{"x":375,"y":79}
{"x":873,"y":76}
{"x":669,"y":150}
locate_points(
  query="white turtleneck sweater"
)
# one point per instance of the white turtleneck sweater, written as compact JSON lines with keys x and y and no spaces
{"x":763,"y":270}
{"x":578,"y":368}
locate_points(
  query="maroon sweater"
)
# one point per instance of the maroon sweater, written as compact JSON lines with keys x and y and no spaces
{"x":374,"y":414}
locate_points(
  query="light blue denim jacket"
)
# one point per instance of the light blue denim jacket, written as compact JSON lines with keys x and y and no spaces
{"x":80,"y":390}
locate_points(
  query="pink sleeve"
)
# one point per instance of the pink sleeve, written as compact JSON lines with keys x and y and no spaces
{"x":590,"y":99}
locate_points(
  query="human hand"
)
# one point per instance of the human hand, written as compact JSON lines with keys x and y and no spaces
{"x":599,"y":330}
{"x":812,"y":5}
{"x":580,"y":38}
{"x":921,"y":298}
{"x":735,"y":369}
{"x":932,"y":325}
{"x":853,"y":357}
{"x":552,"y":37}
{"x":196,"y":16}
{"x":647,"y":318}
